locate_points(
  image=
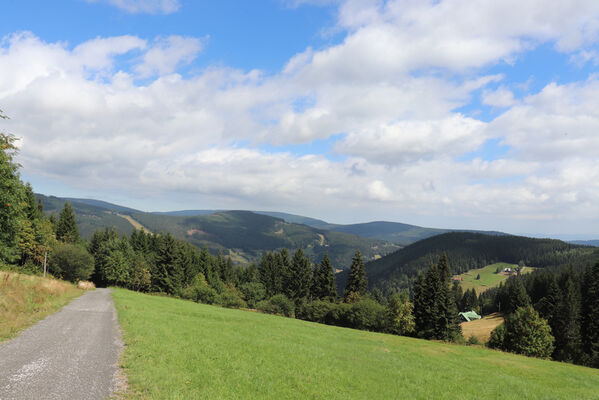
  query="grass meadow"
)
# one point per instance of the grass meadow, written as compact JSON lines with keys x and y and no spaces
{"x":482,"y":328}
{"x":488,"y":277}
{"x":175,"y":349}
{"x":26,"y":299}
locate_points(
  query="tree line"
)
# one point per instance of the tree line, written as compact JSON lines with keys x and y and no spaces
{"x":567,"y":300}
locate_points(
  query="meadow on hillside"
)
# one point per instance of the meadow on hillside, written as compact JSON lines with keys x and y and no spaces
{"x":179,"y":350}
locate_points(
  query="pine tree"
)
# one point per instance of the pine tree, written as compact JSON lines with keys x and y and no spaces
{"x":66,"y":229}
{"x":565,"y":322}
{"x":325,"y":287}
{"x":527,"y":333}
{"x":11,"y":196}
{"x":435,"y":310}
{"x":590,"y":313}
{"x":456,"y":292}
{"x":517,"y":296}
{"x":300,"y":277}
{"x":168,"y":274}
{"x":357,"y":282}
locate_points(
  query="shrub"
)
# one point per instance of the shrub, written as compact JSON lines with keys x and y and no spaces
{"x":230,"y":298}
{"x":472,"y":340}
{"x":317,"y":311}
{"x":71,"y":262}
{"x":367,"y":314}
{"x":253,"y":292}
{"x":199,"y":291}
{"x":278,"y":304}
{"x":497,"y":338}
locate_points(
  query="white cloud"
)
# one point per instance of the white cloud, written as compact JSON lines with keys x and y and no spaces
{"x":167,"y":54}
{"x":392,"y":87}
{"x":144,"y":6}
{"x":501,"y":97}
{"x":408,"y":141}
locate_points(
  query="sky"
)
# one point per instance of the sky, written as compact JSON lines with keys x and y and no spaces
{"x":469,"y":114}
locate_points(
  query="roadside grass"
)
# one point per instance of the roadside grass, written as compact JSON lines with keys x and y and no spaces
{"x":26,"y":299}
{"x":481,"y":328}
{"x":175,"y":349}
{"x":488,"y":277}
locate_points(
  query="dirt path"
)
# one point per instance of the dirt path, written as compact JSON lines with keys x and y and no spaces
{"x":72,"y":354}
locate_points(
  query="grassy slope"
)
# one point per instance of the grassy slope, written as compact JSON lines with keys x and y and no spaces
{"x":488,"y":277}
{"x":181,"y":350}
{"x":25,"y":300}
{"x":482,"y":328}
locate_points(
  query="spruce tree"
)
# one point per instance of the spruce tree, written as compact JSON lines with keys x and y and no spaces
{"x":11,"y":197}
{"x":357,"y":282}
{"x":168,"y":274}
{"x":325,"y":286}
{"x":435,"y":310}
{"x":66,"y":229}
{"x":565,"y":323}
{"x":590,"y":313}
{"x":527,"y":333}
{"x":517,"y":296}
{"x":300,"y":277}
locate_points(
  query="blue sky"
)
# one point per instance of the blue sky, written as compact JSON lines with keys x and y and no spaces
{"x":451,"y":113}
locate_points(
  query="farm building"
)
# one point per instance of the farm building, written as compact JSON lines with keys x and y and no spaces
{"x":468,"y":316}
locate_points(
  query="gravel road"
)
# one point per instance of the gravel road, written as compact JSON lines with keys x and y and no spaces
{"x":72,"y":354}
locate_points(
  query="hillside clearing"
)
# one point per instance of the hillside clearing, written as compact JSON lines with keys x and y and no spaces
{"x":488,"y":277}
{"x":135,"y":224}
{"x":179,"y":350}
{"x":26,"y":299}
{"x":481,"y":328}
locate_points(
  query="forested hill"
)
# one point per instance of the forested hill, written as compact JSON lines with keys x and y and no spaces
{"x":91,"y":214}
{"x":471,"y":250}
{"x":242,"y":235}
{"x":246,"y":235}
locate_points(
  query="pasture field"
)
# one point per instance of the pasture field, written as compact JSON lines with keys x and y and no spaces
{"x":481,"y":328}
{"x":176,"y":349}
{"x":488,"y":277}
{"x":26,"y":299}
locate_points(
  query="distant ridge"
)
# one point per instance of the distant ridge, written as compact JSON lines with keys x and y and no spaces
{"x":594,"y":243}
{"x":395,"y":232}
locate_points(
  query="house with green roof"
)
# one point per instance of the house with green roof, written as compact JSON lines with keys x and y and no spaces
{"x":468,"y":316}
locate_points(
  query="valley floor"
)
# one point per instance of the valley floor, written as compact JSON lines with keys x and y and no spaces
{"x":177,"y":349}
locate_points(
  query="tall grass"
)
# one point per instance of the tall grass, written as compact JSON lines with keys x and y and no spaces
{"x":26,"y":299}
{"x":177,"y":349}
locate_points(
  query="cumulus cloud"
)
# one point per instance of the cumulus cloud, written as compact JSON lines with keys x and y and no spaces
{"x":143,"y":6}
{"x":391,"y":88}
{"x":167,"y":54}
{"x":501,"y":97}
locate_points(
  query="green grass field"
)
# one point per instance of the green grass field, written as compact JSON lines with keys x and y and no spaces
{"x":488,"y":277}
{"x":177,"y":349}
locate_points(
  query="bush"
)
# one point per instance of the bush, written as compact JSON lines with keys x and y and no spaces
{"x":71,"y":262}
{"x":253,"y":292}
{"x":317,"y":311}
{"x":472,"y":340}
{"x":278,"y":304}
{"x":367,"y":314}
{"x":497,"y":338}
{"x":199,"y":291}
{"x":230,"y":298}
